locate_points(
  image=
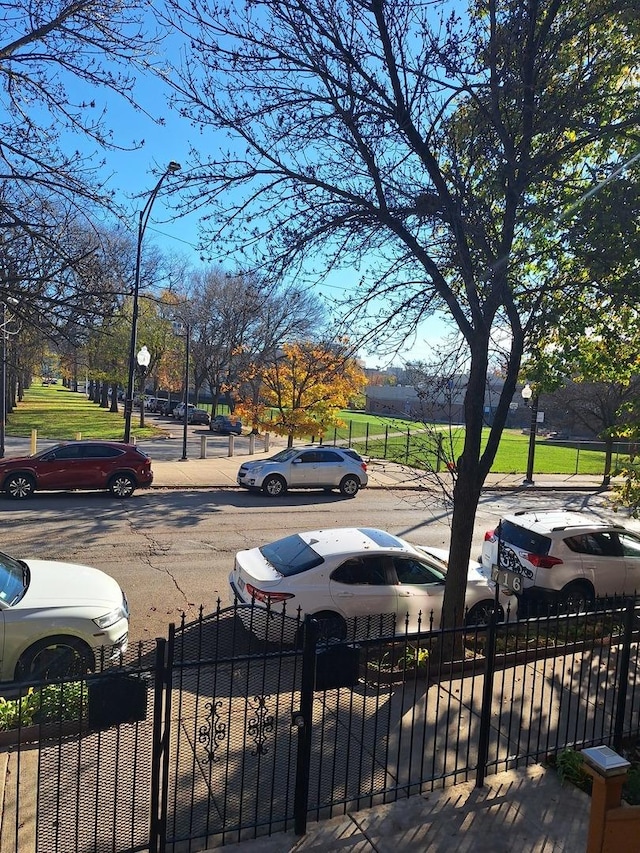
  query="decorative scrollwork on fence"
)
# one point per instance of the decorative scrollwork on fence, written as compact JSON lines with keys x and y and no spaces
{"x":213,"y":732}
{"x":261,"y":724}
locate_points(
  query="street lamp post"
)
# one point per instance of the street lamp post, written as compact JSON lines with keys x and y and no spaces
{"x":530,"y":397}
{"x":3,"y":406}
{"x":143,"y":358}
{"x":186,"y":393}
{"x":142,"y":224}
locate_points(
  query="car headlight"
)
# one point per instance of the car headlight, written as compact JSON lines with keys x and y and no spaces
{"x":111,"y":618}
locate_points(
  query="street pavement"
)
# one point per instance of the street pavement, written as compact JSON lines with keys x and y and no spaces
{"x":525,"y":809}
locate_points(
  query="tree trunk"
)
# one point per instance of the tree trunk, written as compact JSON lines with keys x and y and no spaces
{"x":608,"y":457}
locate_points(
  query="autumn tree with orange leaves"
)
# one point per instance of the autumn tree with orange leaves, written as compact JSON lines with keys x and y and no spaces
{"x":302,"y":390}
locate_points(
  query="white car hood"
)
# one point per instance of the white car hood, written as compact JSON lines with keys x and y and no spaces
{"x":54,"y":584}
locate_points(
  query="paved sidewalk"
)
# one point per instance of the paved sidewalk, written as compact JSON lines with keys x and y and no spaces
{"x":525,"y":810}
{"x":221,"y":471}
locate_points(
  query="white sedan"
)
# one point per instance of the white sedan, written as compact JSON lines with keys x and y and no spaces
{"x":54,"y":616}
{"x":354,"y":572}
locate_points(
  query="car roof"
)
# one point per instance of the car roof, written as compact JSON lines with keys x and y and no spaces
{"x":339,"y":540}
{"x":548,"y":521}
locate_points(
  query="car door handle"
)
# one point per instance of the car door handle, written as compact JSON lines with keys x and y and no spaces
{"x":344,"y":595}
{"x":405,"y":593}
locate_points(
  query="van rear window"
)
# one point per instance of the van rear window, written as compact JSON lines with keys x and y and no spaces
{"x":521,"y":537}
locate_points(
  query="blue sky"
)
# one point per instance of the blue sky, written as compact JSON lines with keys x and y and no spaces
{"x":146,"y":148}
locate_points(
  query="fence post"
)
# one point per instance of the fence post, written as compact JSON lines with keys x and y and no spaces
{"x":439,"y":451}
{"x":366,"y":439}
{"x":386,"y":439}
{"x":577,"y":457}
{"x":406,"y":450}
{"x":487,"y":697}
{"x":623,"y":674}
{"x":350,"y":430}
{"x":302,"y":719}
{"x":203,"y":447}
{"x":157,"y":742}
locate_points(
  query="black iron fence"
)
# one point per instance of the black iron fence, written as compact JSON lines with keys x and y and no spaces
{"x":248,"y":722}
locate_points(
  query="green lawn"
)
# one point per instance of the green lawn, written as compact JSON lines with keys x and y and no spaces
{"x":58,"y":413}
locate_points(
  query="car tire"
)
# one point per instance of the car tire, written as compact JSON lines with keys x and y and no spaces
{"x":331,"y":626}
{"x":122,"y":485}
{"x":480,"y":614}
{"x":349,"y":486}
{"x":274,"y":486}
{"x":576,"y":597}
{"x":55,"y":657}
{"x":19,"y":487}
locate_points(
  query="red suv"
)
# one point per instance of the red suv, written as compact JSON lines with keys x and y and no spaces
{"x":120,"y":468}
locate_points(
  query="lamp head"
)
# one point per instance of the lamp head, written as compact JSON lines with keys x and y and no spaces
{"x":527,"y":394}
{"x":144,"y":357}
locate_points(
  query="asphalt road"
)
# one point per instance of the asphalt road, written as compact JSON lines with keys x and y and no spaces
{"x":172,"y":550}
{"x":166,"y":448}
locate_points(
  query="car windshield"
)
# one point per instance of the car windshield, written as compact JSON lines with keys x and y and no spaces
{"x":284,"y":455}
{"x":291,"y":555}
{"x":14,"y":577}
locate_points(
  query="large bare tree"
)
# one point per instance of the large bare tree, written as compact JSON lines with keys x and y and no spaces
{"x":58,"y":62}
{"x":421,"y":143}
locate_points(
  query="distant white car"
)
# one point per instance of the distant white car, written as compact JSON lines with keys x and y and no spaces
{"x":178,"y":411}
{"x":306,"y":468}
{"x":340,"y":573}
{"x":54,"y":616}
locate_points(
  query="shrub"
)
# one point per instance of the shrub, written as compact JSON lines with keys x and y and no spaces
{"x":53,"y":703}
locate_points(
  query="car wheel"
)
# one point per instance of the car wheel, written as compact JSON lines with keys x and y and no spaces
{"x":19,"y":486}
{"x":480,"y":614}
{"x":122,"y":486}
{"x":576,"y":598}
{"x":274,"y":486}
{"x":331,"y":626}
{"x":55,"y":657}
{"x":349,"y":486}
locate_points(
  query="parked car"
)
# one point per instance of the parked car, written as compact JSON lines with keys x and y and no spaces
{"x":225,"y":425}
{"x":178,"y":411}
{"x":112,"y":465}
{"x":54,"y":615}
{"x":306,"y":468}
{"x":198,"y":416}
{"x":166,"y":408}
{"x":569,"y":558}
{"x":158,"y":403}
{"x":336,"y":574}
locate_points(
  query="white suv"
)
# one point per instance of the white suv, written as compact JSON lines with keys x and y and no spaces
{"x":311,"y":467}
{"x":566,"y":557}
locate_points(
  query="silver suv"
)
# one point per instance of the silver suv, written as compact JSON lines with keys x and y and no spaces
{"x":306,"y":468}
{"x":569,"y":558}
